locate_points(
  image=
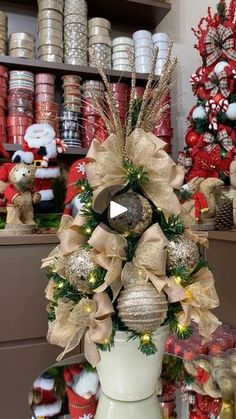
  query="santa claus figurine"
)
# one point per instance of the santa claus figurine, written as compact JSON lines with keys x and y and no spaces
{"x":41,"y":147}
{"x":72,"y":200}
{"x":82,"y":388}
{"x":43,"y":399}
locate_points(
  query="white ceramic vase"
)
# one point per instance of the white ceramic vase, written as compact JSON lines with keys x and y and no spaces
{"x":129,"y":379}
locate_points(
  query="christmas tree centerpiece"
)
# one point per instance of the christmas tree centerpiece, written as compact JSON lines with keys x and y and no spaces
{"x":126,"y":280}
{"x":211,"y":139}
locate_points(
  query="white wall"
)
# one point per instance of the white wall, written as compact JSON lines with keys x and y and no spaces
{"x":184,"y":15}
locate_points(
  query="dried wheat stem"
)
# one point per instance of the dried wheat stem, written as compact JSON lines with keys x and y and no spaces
{"x":132,"y":94}
{"x":148,"y":89}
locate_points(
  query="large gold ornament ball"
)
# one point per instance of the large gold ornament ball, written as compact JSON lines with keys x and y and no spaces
{"x":136,"y":219}
{"x":77,"y":268}
{"x":142,"y":308}
{"x":182,"y":252}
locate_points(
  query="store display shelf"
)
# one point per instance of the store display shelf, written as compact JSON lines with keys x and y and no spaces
{"x":70,"y":151}
{"x":135,"y":13}
{"x":86,"y":72}
{"x":37,"y":239}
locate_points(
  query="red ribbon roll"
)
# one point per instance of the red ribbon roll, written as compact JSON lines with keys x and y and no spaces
{"x":44,"y":78}
{"x":23,"y":121}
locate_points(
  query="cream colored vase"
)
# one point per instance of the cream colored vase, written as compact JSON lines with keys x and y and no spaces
{"x":129,"y":378}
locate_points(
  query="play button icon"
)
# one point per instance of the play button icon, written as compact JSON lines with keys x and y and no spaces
{"x":116,"y":209}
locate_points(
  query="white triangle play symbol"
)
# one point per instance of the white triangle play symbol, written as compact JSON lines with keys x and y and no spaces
{"x":116,"y":209}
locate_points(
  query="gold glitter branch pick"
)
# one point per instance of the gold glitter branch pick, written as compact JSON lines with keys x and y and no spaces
{"x":132,"y":94}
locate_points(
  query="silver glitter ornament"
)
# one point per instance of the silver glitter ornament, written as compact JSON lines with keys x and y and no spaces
{"x":142,"y":308}
{"x":138,"y":217}
{"x":77,"y":268}
{"x":182,"y":252}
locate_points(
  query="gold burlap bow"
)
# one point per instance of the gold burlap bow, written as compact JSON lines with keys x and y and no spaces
{"x":70,"y":237}
{"x":149,"y":261}
{"x":107,"y":176}
{"x":72,"y":321}
{"x":197,"y":300}
{"x":109,"y":251}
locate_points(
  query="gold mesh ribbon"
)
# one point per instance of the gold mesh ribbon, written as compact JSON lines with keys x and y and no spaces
{"x":70,"y":237}
{"x":92,"y":317}
{"x":107,"y":176}
{"x":197,"y":300}
{"x":109,"y":251}
{"x":149,"y":262}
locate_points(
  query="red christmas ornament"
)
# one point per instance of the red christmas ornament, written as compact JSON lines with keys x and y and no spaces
{"x":192,"y":138}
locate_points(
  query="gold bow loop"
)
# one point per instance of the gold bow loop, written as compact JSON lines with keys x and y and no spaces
{"x":109,"y":251}
{"x":197,"y":300}
{"x":107,"y":176}
{"x":72,"y":321}
{"x":149,"y":261}
{"x":70,"y":236}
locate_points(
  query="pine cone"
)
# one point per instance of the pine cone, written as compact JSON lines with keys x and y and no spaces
{"x":224,"y":215}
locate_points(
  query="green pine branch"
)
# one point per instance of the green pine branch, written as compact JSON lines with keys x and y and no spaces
{"x":146,"y":347}
{"x":221,"y":9}
{"x":135,"y":176}
{"x":96,"y":277}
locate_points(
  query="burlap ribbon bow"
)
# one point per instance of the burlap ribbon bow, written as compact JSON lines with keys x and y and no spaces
{"x":197,"y":300}
{"x":72,"y":321}
{"x":219,"y":41}
{"x":70,"y":237}
{"x":109,"y":252}
{"x":149,"y":261}
{"x":107,"y":176}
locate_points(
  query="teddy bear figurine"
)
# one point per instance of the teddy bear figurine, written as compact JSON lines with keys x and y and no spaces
{"x":16,"y":185}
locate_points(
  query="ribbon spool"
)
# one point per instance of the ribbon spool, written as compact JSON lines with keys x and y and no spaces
{"x":77,"y":7}
{"x":75,"y":32}
{"x":3,"y":33}
{"x":56,"y":5}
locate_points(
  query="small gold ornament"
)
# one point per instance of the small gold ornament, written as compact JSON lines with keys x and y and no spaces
{"x":145,"y":338}
{"x":138,"y":217}
{"x":77,"y":269}
{"x":182,"y":252}
{"x":142,"y":308}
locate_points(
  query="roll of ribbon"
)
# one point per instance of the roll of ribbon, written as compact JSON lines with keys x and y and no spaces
{"x":50,"y":40}
{"x":142,"y":34}
{"x":46,"y":106}
{"x":51,"y":58}
{"x":50,"y":24}
{"x":24,"y":36}
{"x":44,"y":97}
{"x":119,"y":87}
{"x":71,"y":125}
{"x":48,"y":33}
{"x":16,"y":130}
{"x":23,"y":121}
{"x":50,"y":49}
{"x":99,"y":30}
{"x":45,"y":78}
{"x":74,"y":90}
{"x":100,"y":39}
{"x":45,"y":88}
{"x":71,"y":28}
{"x":70,"y":116}
{"x":75,"y":6}
{"x":3,"y":18}
{"x":72,"y":107}
{"x":3,"y":83}
{"x":2,"y":44}
{"x":99,"y":21}
{"x":50,"y":5}
{"x":15,"y":74}
{"x":71,"y":80}
{"x":123,"y":67}
{"x":78,"y":19}
{"x":3,"y":72}
{"x":21,"y":53}
{"x":50,"y":14}
{"x":123,"y":40}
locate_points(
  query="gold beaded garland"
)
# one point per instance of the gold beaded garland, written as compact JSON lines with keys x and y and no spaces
{"x":142,"y":308}
{"x":182,"y":252}
{"x":77,"y":269}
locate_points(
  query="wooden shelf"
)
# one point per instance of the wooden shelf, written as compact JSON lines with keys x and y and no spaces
{"x":70,"y":151}
{"x":85,"y":72}
{"x":29,"y":240}
{"x":135,"y":14}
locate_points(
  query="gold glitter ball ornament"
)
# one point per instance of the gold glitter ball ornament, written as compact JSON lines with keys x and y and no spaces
{"x":77,"y":268}
{"x":182,"y":252}
{"x":138,"y":216}
{"x":142,"y":308}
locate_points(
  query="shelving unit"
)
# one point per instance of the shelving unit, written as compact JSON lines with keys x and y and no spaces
{"x":132,"y":13}
{"x":70,"y":151}
{"x":24,"y":351}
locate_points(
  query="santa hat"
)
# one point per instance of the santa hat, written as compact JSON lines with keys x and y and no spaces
{"x":5,"y":171}
{"x":38,"y":132}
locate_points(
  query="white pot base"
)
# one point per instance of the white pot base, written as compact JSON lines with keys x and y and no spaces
{"x":115,"y":409}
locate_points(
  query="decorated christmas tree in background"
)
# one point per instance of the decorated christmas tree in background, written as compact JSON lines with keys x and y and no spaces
{"x":211,"y":136}
{"x":142,"y":269}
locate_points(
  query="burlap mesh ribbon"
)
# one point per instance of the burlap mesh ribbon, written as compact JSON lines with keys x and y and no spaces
{"x":109,"y":252}
{"x":107,"y":176}
{"x":197,"y":300}
{"x":92,"y":317}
